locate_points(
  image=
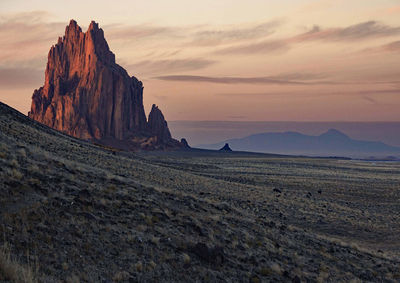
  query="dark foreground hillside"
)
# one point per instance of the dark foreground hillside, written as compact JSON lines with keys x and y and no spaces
{"x":72,"y":211}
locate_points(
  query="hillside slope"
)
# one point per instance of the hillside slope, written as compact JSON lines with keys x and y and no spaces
{"x":81,"y":211}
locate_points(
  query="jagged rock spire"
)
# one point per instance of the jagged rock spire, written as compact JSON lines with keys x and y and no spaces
{"x":157,"y":124}
{"x":87,"y":95}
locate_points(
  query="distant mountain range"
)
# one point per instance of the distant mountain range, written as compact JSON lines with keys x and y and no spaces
{"x":330,"y":143}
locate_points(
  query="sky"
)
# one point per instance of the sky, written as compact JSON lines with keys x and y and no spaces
{"x":220,"y":60}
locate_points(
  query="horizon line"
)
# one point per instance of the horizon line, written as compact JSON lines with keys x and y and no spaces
{"x":282,"y":121}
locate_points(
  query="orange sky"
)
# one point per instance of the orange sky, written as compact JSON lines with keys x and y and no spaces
{"x":226,"y":60}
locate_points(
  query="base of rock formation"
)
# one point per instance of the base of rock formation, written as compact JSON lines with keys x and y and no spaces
{"x":139,"y":143}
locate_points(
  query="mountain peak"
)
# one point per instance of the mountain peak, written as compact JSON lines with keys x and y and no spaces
{"x":73,"y":30}
{"x":73,"y":24}
{"x":93,"y":26}
{"x":333,"y":133}
{"x":84,"y":48}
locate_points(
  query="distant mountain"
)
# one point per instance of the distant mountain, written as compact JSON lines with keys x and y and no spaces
{"x":330,"y":143}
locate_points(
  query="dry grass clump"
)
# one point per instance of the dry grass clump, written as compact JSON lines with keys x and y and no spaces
{"x":11,"y":270}
{"x":121,"y":276}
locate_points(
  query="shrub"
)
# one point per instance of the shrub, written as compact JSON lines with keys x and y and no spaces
{"x":11,"y":270}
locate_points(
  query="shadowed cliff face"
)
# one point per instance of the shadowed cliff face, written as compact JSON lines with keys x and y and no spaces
{"x":157,"y":125}
{"x":87,"y":95}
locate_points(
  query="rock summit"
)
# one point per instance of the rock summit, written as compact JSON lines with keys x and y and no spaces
{"x":86,"y":94}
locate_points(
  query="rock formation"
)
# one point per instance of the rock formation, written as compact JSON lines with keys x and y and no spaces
{"x":157,"y":125}
{"x":185,"y":144}
{"x":87,"y":95}
{"x":226,"y":148}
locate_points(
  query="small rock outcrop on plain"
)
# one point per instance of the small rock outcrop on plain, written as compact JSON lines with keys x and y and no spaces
{"x":226,"y":148}
{"x":184,"y":143}
{"x":87,"y":95}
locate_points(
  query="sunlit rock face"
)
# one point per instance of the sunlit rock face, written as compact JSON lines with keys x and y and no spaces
{"x":87,"y":95}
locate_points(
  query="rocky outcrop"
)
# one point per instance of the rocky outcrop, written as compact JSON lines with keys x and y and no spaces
{"x":157,"y":125}
{"x":87,"y":95}
{"x":185,"y":144}
{"x":226,"y":148}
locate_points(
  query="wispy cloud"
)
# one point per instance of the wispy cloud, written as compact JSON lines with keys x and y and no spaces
{"x":365,"y":30}
{"x":27,"y":35}
{"x":195,"y":35}
{"x":379,"y":91}
{"x":389,"y":47}
{"x":200,"y":36}
{"x":140,"y":31}
{"x":362,"y":93}
{"x":231,"y":80}
{"x":361,"y":31}
{"x":393,"y":46}
{"x":268,"y":46}
{"x":369,"y":99}
{"x":225,"y":35}
{"x":153,"y":67}
{"x":11,"y":78}
{"x":303,"y":76}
